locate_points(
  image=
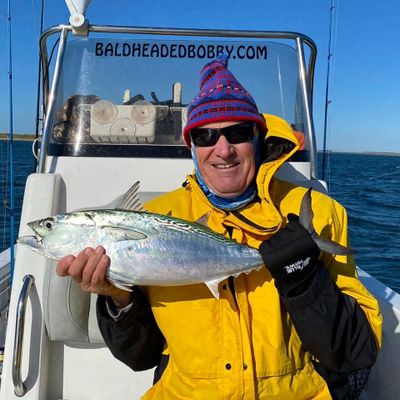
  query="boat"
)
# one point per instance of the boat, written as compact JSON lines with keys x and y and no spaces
{"x":114,"y":99}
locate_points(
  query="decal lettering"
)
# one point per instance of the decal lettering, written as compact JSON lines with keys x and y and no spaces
{"x":179,"y":50}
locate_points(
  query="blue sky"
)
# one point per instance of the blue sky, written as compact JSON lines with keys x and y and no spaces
{"x":365,"y":80}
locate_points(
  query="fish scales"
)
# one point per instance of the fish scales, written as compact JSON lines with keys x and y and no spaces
{"x":145,"y":248}
{"x":174,"y":252}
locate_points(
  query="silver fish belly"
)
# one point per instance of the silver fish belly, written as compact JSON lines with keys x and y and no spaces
{"x":145,"y":248}
{"x":174,"y":252}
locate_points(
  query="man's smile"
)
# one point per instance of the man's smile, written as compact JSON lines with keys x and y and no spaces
{"x":225,"y":166}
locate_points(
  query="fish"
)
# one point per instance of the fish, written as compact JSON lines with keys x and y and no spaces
{"x":152,"y":249}
{"x":305,"y":219}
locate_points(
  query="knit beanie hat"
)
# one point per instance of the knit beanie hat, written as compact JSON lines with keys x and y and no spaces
{"x":221,"y":98}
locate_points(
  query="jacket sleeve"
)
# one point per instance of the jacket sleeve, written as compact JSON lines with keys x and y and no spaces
{"x":336,"y":317}
{"x":332,"y":326}
{"x":134,"y":338}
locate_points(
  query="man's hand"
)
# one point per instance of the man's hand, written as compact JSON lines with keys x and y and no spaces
{"x":291,"y":256}
{"x":89,"y":270}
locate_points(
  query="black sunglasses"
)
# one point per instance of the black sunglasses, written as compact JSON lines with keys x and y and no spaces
{"x":234,"y":134}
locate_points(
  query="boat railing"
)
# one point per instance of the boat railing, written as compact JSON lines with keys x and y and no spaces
{"x":19,"y":387}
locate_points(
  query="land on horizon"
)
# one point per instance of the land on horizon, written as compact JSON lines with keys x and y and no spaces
{"x":29,"y":137}
{"x":18,"y":136}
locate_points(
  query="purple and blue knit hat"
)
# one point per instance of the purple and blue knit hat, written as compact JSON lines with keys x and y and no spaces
{"x":221,"y":98}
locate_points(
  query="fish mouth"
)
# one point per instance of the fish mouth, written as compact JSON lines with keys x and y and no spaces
{"x":31,"y":241}
{"x":38,"y":238}
{"x":34,"y":226}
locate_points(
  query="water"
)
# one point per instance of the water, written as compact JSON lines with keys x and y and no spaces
{"x":368,"y":186}
{"x":23,"y":166}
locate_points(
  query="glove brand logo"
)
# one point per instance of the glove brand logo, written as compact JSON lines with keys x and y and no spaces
{"x":298,"y":265}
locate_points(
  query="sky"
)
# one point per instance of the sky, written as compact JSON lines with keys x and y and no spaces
{"x":365,"y":64}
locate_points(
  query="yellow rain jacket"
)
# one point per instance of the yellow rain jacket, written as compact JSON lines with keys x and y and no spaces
{"x":245,"y":346}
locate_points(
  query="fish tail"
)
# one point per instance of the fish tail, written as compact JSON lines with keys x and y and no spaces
{"x":305,"y":218}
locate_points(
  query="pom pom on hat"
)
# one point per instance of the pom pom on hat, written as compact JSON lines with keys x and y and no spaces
{"x":221,"y":98}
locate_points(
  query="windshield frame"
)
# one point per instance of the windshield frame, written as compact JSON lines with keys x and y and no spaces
{"x":302,"y":45}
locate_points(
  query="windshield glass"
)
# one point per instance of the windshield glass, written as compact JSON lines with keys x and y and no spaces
{"x":134,"y":92}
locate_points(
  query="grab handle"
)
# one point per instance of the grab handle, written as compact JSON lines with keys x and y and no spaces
{"x":19,"y":387}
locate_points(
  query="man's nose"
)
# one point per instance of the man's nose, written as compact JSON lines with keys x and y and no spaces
{"x":223,"y":147}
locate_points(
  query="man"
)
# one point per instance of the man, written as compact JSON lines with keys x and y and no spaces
{"x":303,"y":327}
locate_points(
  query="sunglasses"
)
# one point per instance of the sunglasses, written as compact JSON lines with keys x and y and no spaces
{"x":234,"y":134}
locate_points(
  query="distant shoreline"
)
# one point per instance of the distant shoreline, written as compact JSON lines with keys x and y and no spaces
{"x":365,"y":153}
{"x":18,"y":137}
{"x":31,"y":138}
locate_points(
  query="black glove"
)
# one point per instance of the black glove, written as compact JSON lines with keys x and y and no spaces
{"x":291,"y":256}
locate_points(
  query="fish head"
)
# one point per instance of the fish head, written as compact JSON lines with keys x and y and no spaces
{"x":59,"y":235}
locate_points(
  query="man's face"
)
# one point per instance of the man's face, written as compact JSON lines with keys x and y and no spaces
{"x":227,"y":169}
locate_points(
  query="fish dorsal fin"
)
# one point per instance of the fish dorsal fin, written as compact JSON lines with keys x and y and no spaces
{"x":204,"y":219}
{"x":120,"y":234}
{"x":130,"y":199}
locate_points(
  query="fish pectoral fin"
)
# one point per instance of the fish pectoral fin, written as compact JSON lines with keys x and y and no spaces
{"x":121,"y":234}
{"x":328,"y":246}
{"x":213,"y":286}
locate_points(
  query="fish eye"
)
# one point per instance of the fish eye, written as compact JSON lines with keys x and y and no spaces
{"x":48,"y":224}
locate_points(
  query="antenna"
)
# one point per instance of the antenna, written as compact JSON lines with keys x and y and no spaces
{"x":39,"y":82}
{"x":327,"y":100}
{"x":11,"y":143}
{"x":77,"y":9}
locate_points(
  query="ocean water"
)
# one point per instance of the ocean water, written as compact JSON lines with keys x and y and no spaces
{"x":23,"y":166}
{"x":367,"y":185}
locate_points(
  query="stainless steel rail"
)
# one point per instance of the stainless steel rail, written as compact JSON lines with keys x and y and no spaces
{"x":306,"y":69}
{"x":307,"y":107}
{"x":181,"y":32}
{"x":51,"y":101}
{"x":19,"y":387}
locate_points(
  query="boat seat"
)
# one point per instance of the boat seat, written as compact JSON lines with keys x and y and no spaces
{"x":69,"y":313}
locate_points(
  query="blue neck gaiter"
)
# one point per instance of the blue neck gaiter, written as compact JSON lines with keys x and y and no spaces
{"x":221,"y":202}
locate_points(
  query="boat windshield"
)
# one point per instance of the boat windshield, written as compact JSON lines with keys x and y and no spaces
{"x":129,"y":96}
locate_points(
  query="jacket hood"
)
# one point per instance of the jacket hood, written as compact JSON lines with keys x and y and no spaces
{"x":279,"y":139}
{"x":279,"y":145}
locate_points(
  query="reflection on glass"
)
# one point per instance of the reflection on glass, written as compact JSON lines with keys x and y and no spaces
{"x":135,"y":91}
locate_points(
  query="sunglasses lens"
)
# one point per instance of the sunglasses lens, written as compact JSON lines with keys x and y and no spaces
{"x":239,"y":133}
{"x":204,"y":137}
{"x":235,"y":134}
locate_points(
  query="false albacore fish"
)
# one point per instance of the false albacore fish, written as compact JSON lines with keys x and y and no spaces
{"x":152,"y":249}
